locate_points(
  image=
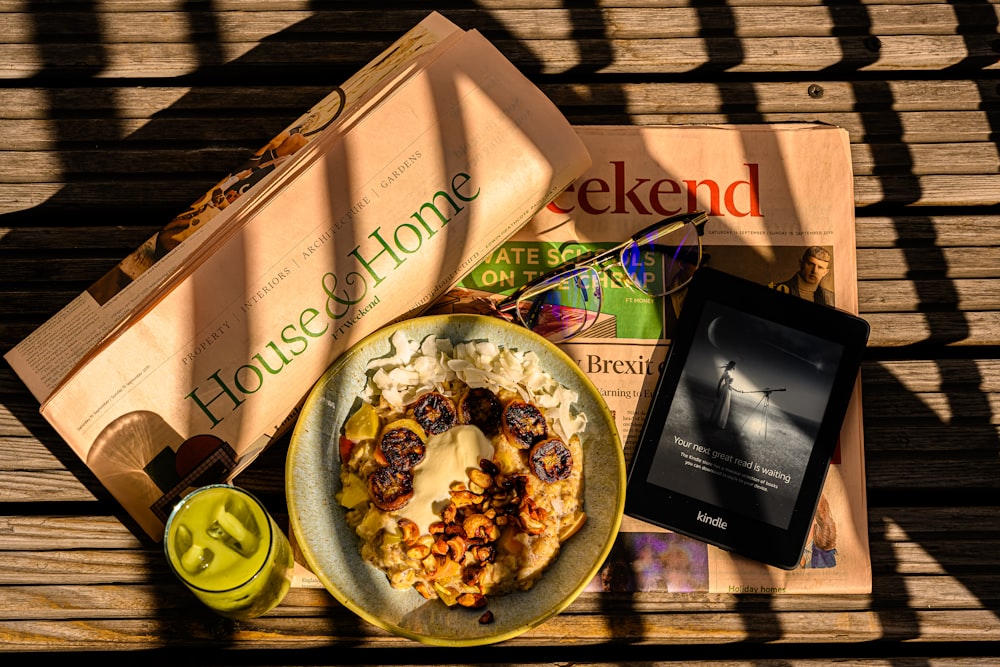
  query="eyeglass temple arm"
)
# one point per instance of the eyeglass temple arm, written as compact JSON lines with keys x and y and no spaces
{"x":696,"y":218}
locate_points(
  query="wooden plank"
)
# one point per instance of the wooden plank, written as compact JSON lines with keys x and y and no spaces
{"x":49,"y":486}
{"x":903,"y":139}
{"x":78,"y":270}
{"x":115,"y":103}
{"x":892,"y":53}
{"x":526,"y":24}
{"x":884,"y":263}
{"x":922,"y":159}
{"x":64,"y":533}
{"x":86,"y":238}
{"x":141,"y":102}
{"x":965,"y":295}
{"x":565,"y":630}
{"x":210,"y":163}
{"x":109,"y":601}
{"x":944,"y":231}
{"x":884,"y":434}
{"x":931,"y":190}
{"x":30,"y":166}
{"x":877,"y":96}
{"x":492,"y":5}
{"x":900,"y":127}
{"x":928,"y":375}
{"x":889,"y":330}
{"x":944,"y":407}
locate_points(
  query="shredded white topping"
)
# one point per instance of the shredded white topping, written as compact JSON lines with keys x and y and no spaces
{"x":415,"y":368}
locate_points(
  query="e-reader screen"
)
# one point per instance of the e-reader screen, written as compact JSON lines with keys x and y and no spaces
{"x":752,"y":458}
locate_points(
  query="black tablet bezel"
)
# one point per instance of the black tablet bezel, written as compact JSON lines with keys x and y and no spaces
{"x":757,"y":539}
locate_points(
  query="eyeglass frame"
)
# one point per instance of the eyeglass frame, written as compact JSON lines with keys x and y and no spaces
{"x":595,"y":258}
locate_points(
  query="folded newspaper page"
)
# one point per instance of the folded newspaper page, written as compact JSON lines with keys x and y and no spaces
{"x":780,"y":199}
{"x":47,"y":356}
{"x":370,"y":222}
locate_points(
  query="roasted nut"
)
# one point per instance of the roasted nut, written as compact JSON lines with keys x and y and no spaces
{"x":486,"y":618}
{"x":472,"y":600}
{"x":440,"y":547}
{"x":458,"y":546}
{"x":531,"y":526}
{"x":489,"y":467}
{"x":481,"y":479}
{"x":430,"y":563}
{"x":485,"y":553}
{"x":522,"y":484}
{"x":463,"y":498}
{"x":409,"y":529}
{"x":531,"y":517}
{"x":471,"y":576}
{"x":418,"y":552}
{"x":481,"y":527}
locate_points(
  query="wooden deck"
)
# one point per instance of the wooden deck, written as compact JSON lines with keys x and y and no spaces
{"x":114,"y":115}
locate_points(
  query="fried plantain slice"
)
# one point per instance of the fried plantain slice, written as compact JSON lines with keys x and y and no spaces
{"x":401,"y":445}
{"x":523,"y":424}
{"x":435,"y":412}
{"x":480,"y":407}
{"x":551,"y":460}
{"x":390,"y":488}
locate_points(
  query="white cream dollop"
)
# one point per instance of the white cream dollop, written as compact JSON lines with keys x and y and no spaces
{"x":449,"y":457}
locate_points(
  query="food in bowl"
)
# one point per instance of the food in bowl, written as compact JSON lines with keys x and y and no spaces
{"x":462,"y":469}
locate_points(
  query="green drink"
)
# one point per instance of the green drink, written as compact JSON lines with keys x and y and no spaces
{"x":226,"y":548}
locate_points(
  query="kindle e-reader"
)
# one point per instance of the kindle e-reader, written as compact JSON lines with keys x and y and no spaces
{"x":745,"y":417}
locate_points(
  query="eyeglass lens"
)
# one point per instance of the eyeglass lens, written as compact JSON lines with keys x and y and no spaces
{"x":663,"y":260}
{"x":562,"y":306}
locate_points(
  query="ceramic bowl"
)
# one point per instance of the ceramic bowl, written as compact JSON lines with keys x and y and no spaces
{"x":330,"y":547}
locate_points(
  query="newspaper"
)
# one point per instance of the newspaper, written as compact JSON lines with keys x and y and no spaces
{"x":772,"y":192}
{"x":52,"y":351}
{"x":426,"y":161}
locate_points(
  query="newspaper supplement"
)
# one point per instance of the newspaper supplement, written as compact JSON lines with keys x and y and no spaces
{"x":362,"y":228}
{"x":50,"y":353}
{"x":781,"y":213}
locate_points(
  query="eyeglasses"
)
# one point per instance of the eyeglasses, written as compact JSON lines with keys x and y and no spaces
{"x":658,"y":260}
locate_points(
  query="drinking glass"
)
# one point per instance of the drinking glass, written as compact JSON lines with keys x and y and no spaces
{"x":227,"y":549}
